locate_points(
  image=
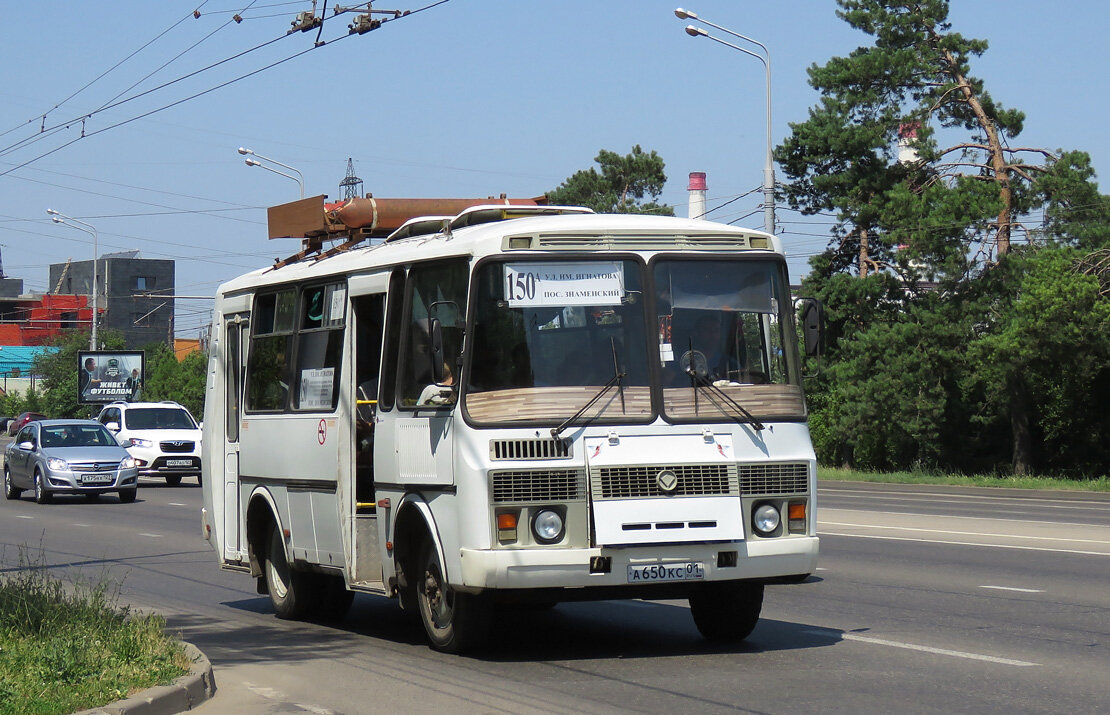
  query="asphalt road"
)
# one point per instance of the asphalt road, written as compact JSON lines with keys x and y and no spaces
{"x":927,"y":600}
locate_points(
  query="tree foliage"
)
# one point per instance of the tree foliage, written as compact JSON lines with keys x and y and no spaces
{"x":619,"y":187}
{"x":992,"y":363}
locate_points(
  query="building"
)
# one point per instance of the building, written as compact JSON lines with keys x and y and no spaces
{"x":134,"y":297}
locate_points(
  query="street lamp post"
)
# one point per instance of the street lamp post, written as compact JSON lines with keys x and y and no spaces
{"x":765,"y":58}
{"x":58,"y":217}
{"x":299,"y":178}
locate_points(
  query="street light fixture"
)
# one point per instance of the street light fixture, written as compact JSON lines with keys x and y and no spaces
{"x":765,"y":58}
{"x":58,"y":217}
{"x":299,"y":178}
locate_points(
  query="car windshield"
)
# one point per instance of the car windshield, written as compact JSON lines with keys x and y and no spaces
{"x":76,"y":436}
{"x":158,"y":418}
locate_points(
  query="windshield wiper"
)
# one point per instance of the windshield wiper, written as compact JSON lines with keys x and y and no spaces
{"x":616,"y":379}
{"x":698,"y":381}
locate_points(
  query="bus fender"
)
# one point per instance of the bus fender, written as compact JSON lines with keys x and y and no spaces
{"x":261,"y":511}
{"x":414,"y":521}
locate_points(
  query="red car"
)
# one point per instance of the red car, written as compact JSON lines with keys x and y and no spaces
{"x":19,"y":422}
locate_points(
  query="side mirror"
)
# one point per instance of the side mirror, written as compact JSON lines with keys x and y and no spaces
{"x":27,"y":446}
{"x":813,"y":326}
{"x":435,"y":351}
{"x":112,"y":426}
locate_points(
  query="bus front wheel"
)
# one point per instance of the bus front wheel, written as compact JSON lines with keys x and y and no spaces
{"x":455,"y":622}
{"x":288,"y":588}
{"x":727,"y":611}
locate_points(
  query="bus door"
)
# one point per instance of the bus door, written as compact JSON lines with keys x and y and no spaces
{"x":237,"y":333}
{"x":369,"y":320}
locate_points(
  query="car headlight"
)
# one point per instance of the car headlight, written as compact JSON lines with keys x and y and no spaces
{"x":138,"y":442}
{"x":57,"y":465}
{"x":765,"y":519}
{"x":547,"y":526}
{"x":128,"y":463}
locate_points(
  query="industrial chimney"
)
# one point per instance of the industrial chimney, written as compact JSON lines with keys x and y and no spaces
{"x":697,"y":189}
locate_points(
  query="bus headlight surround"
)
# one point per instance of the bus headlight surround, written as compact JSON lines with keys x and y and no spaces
{"x":766,"y":519}
{"x":548,"y":526}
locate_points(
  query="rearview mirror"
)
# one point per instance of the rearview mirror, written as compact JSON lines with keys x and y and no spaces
{"x":813,"y":326}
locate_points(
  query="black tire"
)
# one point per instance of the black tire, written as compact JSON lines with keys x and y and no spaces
{"x":331,"y":599}
{"x":727,"y":612}
{"x":173,"y":479}
{"x":127,"y":496}
{"x":42,"y":494}
{"x":10,"y":490}
{"x":290,"y":591}
{"x":455,"y":622}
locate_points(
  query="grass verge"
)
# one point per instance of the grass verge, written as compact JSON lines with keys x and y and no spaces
{"x":1102,"y":484}
{"x":67,"y":648}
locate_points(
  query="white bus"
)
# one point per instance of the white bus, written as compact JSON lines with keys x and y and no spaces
{"x":513,"y":405}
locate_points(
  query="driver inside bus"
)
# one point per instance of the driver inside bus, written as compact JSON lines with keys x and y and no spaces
{"x":439,"y":394}
{"x":706,"y":340}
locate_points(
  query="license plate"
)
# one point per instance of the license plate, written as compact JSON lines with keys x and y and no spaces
{"x":655,"y":573}
{"x":179,"y":462}
{"x":97,"y":479}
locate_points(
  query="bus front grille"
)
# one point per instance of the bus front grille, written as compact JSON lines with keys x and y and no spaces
{"x":642,"y":481}
{"x":792,"y":478}
{"x":505,"y":449}
{"x":548,"y":485}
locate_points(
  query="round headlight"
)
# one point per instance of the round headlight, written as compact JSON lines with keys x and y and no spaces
{"x":547,"y":526}
{"x":766,"y":518}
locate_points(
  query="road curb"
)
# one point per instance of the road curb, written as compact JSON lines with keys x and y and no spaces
{"x":185,"y":693}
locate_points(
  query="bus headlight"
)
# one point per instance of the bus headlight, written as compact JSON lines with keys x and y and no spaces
{"x":547,"y":526}
{"x":765,"y":519}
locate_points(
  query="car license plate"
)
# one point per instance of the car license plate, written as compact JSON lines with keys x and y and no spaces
{"x":179,"y":462}
{"x":655,"y":573}
{"x":97,"y":479}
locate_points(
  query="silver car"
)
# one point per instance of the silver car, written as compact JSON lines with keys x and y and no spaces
{"x":68,"y":457}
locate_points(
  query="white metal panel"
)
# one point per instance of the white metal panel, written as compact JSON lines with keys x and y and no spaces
{"x":668,"y":520}
{"x":415,"y":461}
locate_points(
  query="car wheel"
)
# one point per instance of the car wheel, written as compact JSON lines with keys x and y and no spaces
{"x":455,"y":622}
{"x":173,"y":479}
{"x":10,"y":490}
{"x":127,"y":496}
{"x":42,"y":494}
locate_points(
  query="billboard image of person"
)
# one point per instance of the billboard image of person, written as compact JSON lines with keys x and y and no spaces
{"x":110,"y":376}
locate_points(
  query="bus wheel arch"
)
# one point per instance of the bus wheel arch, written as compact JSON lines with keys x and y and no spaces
{"x":261,"y":518}
{"x":413,"y":527}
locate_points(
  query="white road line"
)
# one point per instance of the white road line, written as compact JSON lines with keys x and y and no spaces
{"x":963,"y":533}
{"x":923,"y":648}
{"x":940,"y":497}
{"x":967,"y":543}
{"x":953,"y":516}
{"x":23,"y":516}
{"x":85,"y":525}
{"x":1014,"y":588}
{"x":177,"y":503}
{"x":153,"y":536}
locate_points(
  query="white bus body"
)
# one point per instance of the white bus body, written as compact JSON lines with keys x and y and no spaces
{"x":535,"y":409}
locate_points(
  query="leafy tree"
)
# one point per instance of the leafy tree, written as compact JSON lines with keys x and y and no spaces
{"x":168,"y":378}
{"x":620,"y":186}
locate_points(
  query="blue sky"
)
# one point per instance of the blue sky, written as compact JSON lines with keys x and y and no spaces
{"x":468,"y":98}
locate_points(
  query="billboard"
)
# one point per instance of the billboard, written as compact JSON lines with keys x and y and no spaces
{"x":109,"y":376}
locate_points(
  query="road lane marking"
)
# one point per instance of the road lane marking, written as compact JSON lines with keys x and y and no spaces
{"x":967,"y":543}
{"x":153,"y":536}
{"x":942,"y":498}
{"x":177,"y":503}
{"x":922,"y":648}
{"x":23,"y":516}
{"x":953,"y":516}
{"x":1014,"y":588}
{"x":964,"y":533}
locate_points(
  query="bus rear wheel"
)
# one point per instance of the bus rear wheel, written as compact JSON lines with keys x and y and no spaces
{"x":289,"y":589}
{"x":455,"y":622}
{"x":727,"y":612}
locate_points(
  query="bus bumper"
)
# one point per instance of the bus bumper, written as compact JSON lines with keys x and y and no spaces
{"x":570,"y":568}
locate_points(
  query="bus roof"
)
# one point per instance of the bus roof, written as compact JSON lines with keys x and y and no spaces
{"x":525,"y":235}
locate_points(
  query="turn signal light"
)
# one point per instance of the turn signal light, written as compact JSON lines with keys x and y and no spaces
{"x":796,"y":514}
{"x":506,"y":527}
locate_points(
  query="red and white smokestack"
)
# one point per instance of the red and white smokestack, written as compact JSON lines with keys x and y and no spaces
{"x":697,"y":190}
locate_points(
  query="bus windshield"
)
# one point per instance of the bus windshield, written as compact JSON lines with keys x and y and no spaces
{"x":721,"y":327}
{"x":549,"y":334}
